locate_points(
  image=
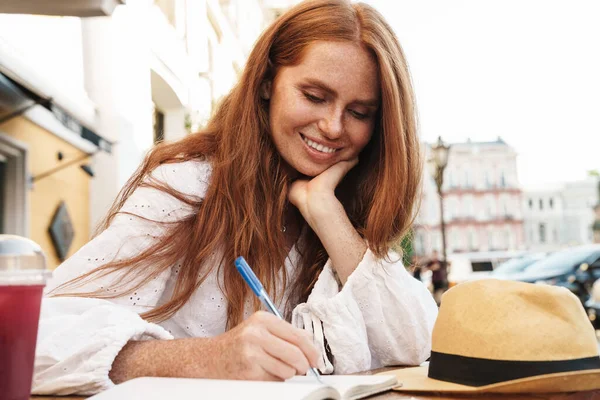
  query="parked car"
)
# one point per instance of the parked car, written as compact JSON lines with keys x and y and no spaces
{"x":471,"y":266}
{"x":516,"y":265}
{"x":592,"y":306}
{"x":575,"y":268}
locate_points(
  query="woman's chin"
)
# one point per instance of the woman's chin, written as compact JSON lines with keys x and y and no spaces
{"x":310,"y":170}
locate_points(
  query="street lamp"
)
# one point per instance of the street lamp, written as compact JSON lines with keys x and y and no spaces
{"x":437,"y":163}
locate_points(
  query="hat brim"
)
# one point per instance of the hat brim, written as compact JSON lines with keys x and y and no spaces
{"x":416,"y":380}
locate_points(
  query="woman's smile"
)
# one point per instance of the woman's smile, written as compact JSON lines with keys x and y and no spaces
{"x":319,"y":151}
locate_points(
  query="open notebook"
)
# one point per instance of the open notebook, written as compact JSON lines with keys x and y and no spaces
{"x":297,"y":388}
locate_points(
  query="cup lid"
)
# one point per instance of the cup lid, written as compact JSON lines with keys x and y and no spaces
{"x":22,"y":261}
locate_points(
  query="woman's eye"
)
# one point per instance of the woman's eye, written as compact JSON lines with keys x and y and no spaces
{"x":313,"y":99}
{"x":358,"y":115}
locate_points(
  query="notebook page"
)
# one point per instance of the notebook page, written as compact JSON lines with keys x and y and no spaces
{"x":353,"y":386}
{"x":200,"y":389}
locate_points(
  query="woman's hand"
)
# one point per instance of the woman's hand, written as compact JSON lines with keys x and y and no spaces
{"x":263,"y":347}
{"x":326,"y":216}
{"x":315,"y":198}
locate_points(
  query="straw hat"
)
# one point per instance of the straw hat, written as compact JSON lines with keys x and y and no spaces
{"x":508,"y":337}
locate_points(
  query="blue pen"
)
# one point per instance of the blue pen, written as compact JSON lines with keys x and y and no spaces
{"x":258,"y":289}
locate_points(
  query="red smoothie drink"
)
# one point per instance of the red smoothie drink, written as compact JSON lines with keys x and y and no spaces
{"x":22,"y":281}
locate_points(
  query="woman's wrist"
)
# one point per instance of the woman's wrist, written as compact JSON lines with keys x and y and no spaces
{"x":129,"y":363}
{"x":325,"y":210}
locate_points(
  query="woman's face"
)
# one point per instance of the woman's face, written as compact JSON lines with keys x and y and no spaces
{"x":322,"y":111}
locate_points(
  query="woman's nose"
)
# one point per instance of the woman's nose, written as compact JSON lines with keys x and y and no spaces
{"x":332,"y":125}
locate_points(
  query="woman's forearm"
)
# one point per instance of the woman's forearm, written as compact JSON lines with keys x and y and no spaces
{"x":262,"y":347}
{"x":343,"y":244}
{"x":168,"y":358}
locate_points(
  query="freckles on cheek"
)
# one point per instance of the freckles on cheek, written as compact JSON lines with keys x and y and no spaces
{"x":297,"y":117}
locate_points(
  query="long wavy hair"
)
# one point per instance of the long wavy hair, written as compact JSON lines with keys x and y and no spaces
{"x":244,"y":206}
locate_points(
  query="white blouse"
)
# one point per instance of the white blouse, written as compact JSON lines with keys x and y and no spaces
{"x":381,"y":316}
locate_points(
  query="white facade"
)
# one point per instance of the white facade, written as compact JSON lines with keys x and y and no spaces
{"x":560,"y":217}
{"x":482,"y":201}
{"x":153,"y":70}
{"x":171,"y":61}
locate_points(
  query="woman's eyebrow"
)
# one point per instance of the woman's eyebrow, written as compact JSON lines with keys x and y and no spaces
{"x":323,"y":86}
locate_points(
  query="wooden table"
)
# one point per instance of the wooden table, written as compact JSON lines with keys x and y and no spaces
{"x":393,"y":395}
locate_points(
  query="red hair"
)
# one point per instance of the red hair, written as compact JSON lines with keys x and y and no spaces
{"x":243,"y":209}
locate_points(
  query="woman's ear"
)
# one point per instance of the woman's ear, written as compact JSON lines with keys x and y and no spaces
{"x":265,"y":90}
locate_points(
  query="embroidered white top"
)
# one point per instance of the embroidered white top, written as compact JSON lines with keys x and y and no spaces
{"x":381,"y":316}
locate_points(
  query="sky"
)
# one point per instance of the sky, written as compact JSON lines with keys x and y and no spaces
{"x":524,"y":70}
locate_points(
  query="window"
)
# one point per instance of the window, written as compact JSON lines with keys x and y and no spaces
{"x":551,"y":203}
{"x":451,"y":242}
{"x":468,"y":210}
{"x":541,"y":204}
{"x":158,"y":125}
{"x":437,"y":241}
{"x":491,"y":206}
{"x":512,"y":240}
{"x":530,"y":204}
{"x":450,"y":176}
{"x":456,"y":208}
{"x":13,"y":187}
{"x":542,"y":232}
{"x":502,"y":180}
{"x":473,"y":243}
{"x":480,"y":266}
{"x":503,"y":206}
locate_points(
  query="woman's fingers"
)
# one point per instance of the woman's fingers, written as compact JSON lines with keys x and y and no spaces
{"x":287,"y":353}
{"x":275,"y":347}
{"x":275,"y":367}
{"x":332,"y":176}
{"x":297,"y":338}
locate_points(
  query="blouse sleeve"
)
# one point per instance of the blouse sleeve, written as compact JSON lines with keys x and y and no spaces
{"x":79,"y":337}
{"x":381,"y":316}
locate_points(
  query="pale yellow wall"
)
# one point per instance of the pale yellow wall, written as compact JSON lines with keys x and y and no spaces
{"x":70,"y":184}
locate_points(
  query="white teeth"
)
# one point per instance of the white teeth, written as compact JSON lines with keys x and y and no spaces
{"x":317,"y":146}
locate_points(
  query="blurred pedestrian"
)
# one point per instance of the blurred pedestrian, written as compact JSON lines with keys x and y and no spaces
{"x":439,"y":276}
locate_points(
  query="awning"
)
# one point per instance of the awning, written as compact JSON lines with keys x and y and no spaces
{"x":16,"y":99}
{"x":74,"y":8}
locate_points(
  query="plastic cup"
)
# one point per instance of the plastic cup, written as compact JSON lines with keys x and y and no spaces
{"x":23,"y":276}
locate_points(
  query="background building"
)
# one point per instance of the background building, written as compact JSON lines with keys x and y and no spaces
{"x":100,"y":92}
{"x":47,"y":121}
{"x":482,"y":201}
{"x":560,"y":217}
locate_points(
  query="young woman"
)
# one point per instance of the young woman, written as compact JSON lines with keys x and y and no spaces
{"x":310,"y":169}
